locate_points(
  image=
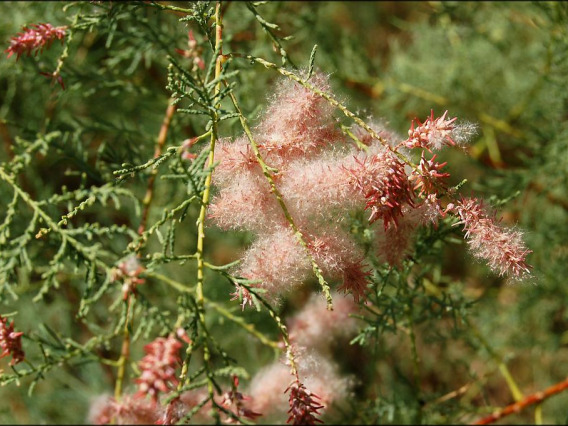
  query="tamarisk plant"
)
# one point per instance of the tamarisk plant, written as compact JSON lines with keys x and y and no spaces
{"x":132,"y":233}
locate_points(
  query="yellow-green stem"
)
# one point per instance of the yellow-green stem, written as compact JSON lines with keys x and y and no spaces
{"x":515,"y":391}
{"x":124,"y":352}
{"x":204,"y":204}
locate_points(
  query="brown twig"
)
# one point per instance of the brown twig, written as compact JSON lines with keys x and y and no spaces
{"x":157,"y":152}
{"x":519,"y":406}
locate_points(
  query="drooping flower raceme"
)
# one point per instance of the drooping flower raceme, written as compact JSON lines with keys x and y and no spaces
{"x":503,"y":249}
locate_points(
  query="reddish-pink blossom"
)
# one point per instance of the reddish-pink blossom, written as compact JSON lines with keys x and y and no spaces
{"x":320,"y":188}
{"x":318,"y":373}
{"x":246,"y":204}
{"x":429,"y":178}
{"x":394,"y":244}
{"x":502,"y":248}
{"x":355,"y":280}
{"x":11,"y":342}
{"x":158,"y":367}
{"x":383,"y":181}
{"x":128,"y":411}
{"x":234,"y":158}
{"x":434,"y":133}
{"x":101,"y":410}
{"x":36,"y":37}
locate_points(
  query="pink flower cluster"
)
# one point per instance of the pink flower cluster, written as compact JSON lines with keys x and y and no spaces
{"x":193,"y":52}
{"x":238,"y":403}
{"x":128,"y":272}
{"x":36,"y":37}
{"x":158,"y":376}
{"x":321,"y":386}
{"x":322,"y":179}
{"x":434,"y":133}
{"x":312,"y":330}
{"x":503,"y":249}
{"x":10,"y":342}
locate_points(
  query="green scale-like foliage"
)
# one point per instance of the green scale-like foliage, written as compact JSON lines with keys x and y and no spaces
{"x":78,"y":159}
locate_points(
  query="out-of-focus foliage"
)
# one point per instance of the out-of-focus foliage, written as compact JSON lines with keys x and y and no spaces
{"x":441,"y":323}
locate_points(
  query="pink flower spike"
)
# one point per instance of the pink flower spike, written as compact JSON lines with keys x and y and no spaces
{"x":430,"y":179}
{"x":502,"y":248}
{"x":158,"y":367}
{"x":384,"y":183}
{"x":34,"y":38}
{"x":303,"y":405}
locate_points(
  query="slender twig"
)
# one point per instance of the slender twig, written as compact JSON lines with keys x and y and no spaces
{"x":124,"y":352}
{"x":519,"y":406}
{"x":200,"y":299}
{"x":290,"y":356}
{"x":125,"y":349}
{"x":8,"y":144}
{"x":157,"y":152}
{"x":65,"y":237}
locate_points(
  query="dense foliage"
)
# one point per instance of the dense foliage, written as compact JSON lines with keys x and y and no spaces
{"x":185,"y":187}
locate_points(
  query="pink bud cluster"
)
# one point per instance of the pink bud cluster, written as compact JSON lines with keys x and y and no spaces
{"x":10,"y":342}
{"x":321,"y":386}
{"x":503,"y":249}
{"x":193,"y":52}
{"x":158,"y":376}
{"x":158,"y":367}
{"x":385,"y":185}
{"x":36,"y":37}
{"x":321,"y":180}
{"x":303,"y":405}
{"x":132,"y":410}
{"x":429,"y":179}
{"x":128,"y":272}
